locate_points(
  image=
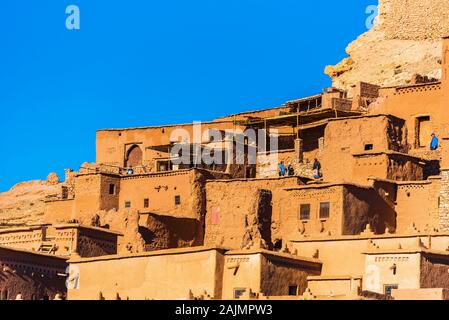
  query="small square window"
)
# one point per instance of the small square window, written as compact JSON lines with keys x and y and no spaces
{"x":293,"y":290}
{"x":238,"y":292}
{"x":146,"y":203}
{"x":128,"y":204}
{"x":177,"y":200}
{"x":388,"y":288}
{"x":304,"y":212}
{"x":112,"y":189}
{"x":369,"y":147}
{"x":325,"y":210}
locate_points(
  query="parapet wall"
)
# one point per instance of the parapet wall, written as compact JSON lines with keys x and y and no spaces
{"x":233,"y":210}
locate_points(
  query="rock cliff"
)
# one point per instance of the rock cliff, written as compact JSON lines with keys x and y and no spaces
{"x":406,"y":40}
{"x":24,"y":203}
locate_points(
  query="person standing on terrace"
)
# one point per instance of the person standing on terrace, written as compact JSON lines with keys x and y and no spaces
{"x":281,"y":169}
{"x":317,"y":169}
{"x":434,"y":143}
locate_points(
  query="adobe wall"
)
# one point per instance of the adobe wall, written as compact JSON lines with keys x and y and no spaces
{"x":443,"y":215}
{"x":161,"y":191}
{"x":109,"y":201}
{"x":351,"y":209}
{"x":389,"y":165}
{"x":63,"y":240}
{"x":87,"y":194}
{"x":343,"y":256}
{"x":417,"y":205}
{"x":34,"y":276}
{"x":268,"y":273}
{"x":434,"y":271}
{"x":340,"y":258}
{"x":231,"y":202}
{"x":93,"y":243}
{"x":291,"y":226}
{"x":407,"y":269}
{"x":165,"y":232}
{"x":268,"y":163}
{"x":112,"y":144}
{"x":409,"y":103}
{"x":379,"y":271}
{"x":311,"y":142}
{"x":343,"y":286}
{"x":421,"y":294}
{"x":92,"y":194}
{"x":346,"y":137}
{"x":22,"y":238}
{"x":126,"y":222}
{"x":271,"y":112}
{"x":364,"y":206}
{"x":241,"y":272}
{"x":279,"y":274}
{"x":57,"y":211}
{"x":140,"y":277}
{"x":404,"y":168}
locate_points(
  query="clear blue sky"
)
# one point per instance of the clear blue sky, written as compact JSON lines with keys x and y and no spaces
{"x":145,"y":62}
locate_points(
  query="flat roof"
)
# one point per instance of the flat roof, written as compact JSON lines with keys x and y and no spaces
{"x":253,"y":111}
{"x":326,"y":238}
{"x":58,"y":226}
{"x":34,"y":253}
{"x":366,"y":115}
{"x":285,"y":105}
{"x":165,"y":126}
{"x":276,"y":178}
{"x":149,"y":174}
{"x":20,"y":229}
{"x":328,"y":185}
{"x":80,"y":226}
{"x":166,"y":252}
{"x":407,"y":251}
{"x":330,"y":278}
{"x":220,"y":119}
{"x":316,"y":96}
{"x":275,"y":254}
{"x":387,"y":152}
{"x":404,"y":183}
{"x":412,"y":85}
{"x":302,"y":118}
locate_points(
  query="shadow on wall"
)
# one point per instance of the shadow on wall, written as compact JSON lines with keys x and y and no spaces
{"x":432,"y":168}
{"x":363,"y":207}
{"x":165,"y":232}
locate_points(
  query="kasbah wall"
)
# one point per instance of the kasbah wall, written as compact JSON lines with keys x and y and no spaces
{"x":373,"y":224}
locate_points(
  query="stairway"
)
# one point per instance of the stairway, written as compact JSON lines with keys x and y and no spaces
{"x":47,"y":247}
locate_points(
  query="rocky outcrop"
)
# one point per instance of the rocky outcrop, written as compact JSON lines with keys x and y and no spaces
{"x":24,"y":203}
{"x":406,"y":40}
{"x":52,"y":179}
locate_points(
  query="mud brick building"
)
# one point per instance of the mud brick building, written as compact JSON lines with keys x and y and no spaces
{"x":375,"y":225}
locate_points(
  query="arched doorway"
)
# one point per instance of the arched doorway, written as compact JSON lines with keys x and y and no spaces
{"x":133,"y":157}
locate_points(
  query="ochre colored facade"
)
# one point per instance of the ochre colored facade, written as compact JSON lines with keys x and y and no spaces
{"x":371,"y":221}
{"x":26,"y":275}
